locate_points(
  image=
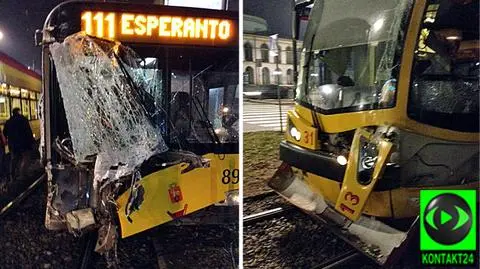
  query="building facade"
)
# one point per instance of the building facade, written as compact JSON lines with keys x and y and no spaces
{"x":261,"y":68}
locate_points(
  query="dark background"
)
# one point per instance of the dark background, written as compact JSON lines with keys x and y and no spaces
{"x":20,"y":18}
{"x":277,"y":13}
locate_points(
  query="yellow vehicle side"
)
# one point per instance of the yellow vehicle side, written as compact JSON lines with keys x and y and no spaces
{"x":200,"y":187}
{"x":12,"y":73}
{"x":400,"y":202}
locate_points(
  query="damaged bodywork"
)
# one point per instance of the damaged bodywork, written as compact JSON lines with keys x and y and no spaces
{"x":134,"y":135}
{"x":110,"y":136}
{"x":386,"y":106}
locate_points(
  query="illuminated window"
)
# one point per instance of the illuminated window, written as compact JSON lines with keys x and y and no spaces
{"x":15,"y":91}
{"x":26,"y":108}
{"x":3,"y":89}
{"x":15,"y":103}
{"x":33,"y":109}
{"x":24,"y":93}
{"x":33,"y":95}
{"x":4,"y":108}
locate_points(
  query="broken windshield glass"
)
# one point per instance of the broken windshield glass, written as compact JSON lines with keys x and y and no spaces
{"x":105,"y":112}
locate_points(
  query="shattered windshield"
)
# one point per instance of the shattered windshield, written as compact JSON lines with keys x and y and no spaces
{"x":105,"y":111}
{"x":350,"y":61}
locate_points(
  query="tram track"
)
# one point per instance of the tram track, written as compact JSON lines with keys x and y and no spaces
{"x":292,"y":239}
{"x":27,"y":244}
{"x":9,"y":206}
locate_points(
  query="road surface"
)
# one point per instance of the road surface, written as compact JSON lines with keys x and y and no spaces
{"x":264,"y":116}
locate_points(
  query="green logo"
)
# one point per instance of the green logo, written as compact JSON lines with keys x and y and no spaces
{"x":448,"y":220}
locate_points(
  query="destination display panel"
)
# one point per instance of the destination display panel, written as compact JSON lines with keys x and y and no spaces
{"x":161,"y":27}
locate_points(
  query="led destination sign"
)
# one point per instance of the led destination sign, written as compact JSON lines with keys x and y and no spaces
{"x":163,"y":29}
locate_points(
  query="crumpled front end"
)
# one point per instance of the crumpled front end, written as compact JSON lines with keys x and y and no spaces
{"x":358,"y":180}
{"x":110,"y":134}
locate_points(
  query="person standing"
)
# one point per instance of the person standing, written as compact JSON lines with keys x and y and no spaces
{"x":3,"y":168}
{"x":20,"y":141}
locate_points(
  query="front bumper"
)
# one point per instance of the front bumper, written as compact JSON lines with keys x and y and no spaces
{"x":325,"y":165}
{"x":377,"y":240}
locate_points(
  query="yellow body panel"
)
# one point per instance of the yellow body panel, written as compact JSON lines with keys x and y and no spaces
{"x":353,"y":195}
{"x":17,"y":78}
{"x":398,"y":203}
{"x":200,"y":188}
{"x":378,"y":203}
{"x":35,"y":125}
{"x":308,"y":133}
{"x":396,"y":116}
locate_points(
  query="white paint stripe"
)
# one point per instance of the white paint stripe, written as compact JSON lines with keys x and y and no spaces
{"x":272,"y":125}
{"x":265,"y":110}
{"x":267,"y":123}
{"x":265,"y":117}
{"x":257,"y":121}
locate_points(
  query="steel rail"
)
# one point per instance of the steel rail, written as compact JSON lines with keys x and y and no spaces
{"x":12,"y":204}
{"x":267,"y":214}
{"x":339,"y":260}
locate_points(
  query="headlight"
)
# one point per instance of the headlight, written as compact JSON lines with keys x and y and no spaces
{"x":341,"y":160}
{"x":295,"y":133}
{"x":232,"y":197}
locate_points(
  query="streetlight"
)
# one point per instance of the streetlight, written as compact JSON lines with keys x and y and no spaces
{"x":278,"y":73}
{"x":274,"y":51}
{"x":1,"y":35}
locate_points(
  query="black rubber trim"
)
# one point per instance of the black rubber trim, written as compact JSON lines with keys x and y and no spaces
{"x":315,"y":162}
{"x":324,"y":165}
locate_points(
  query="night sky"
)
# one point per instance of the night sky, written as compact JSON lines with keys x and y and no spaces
{"x":18,"y":21}
{"x":276,"y":12}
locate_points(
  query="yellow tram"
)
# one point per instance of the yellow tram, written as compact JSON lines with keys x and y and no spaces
{"x":387,"y":104}
{"x":19,"y":87}
{"x":140,"y":115}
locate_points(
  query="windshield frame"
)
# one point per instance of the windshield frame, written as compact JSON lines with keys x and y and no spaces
{"x":307,"y":57}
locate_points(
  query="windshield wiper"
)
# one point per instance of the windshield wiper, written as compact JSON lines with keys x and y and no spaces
{"x":201,"y":111}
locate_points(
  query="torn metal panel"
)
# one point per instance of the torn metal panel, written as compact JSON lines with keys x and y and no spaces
{"x":104,"y":111}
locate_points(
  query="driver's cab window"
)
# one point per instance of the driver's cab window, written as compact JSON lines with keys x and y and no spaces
{"x":204,"y":105}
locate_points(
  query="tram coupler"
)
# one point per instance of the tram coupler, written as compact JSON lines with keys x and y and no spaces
{"x":372,"y":237}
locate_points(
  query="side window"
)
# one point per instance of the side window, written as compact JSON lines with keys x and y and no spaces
{"x":444,"y":89}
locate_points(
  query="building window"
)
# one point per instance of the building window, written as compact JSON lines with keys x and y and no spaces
{"x":264,"y":52}
{"x":289,"y":76}
{"x":265,"y":76}
{"x":278,"y":58}
{"x":289,"y":53}
{"x":248,"y":52}
{"x":249,"y":73}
